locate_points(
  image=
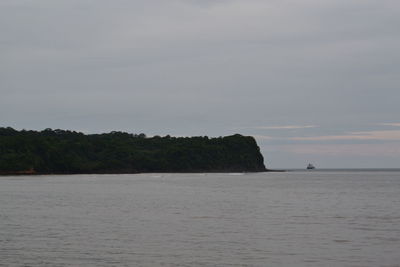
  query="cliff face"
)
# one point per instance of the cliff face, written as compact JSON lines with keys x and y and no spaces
{"x":58,"y":151}
{"x":241,"y":154}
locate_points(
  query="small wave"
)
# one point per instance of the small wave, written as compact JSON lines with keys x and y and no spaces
{"x":341,"y":241}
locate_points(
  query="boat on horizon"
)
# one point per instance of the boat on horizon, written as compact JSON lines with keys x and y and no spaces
{"x":310,"y":167}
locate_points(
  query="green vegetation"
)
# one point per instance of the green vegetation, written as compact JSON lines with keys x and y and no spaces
{"x":67,"y":152}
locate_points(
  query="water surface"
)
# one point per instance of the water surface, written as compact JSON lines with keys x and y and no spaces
{"x":317,"y":218}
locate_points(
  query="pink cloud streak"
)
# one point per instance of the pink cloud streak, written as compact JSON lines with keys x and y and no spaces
{"x":368,"y":135}
{"x":394,"y":124}
{"x":388,"y":150}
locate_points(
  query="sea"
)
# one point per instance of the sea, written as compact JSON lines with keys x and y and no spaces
{"x":295,"y":218}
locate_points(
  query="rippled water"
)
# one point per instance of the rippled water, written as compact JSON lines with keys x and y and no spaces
{"x":266,"y":219}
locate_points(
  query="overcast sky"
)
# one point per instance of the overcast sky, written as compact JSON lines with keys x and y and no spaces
{"x":313,"y":80}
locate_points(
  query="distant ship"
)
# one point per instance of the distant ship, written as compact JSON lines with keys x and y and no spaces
{"x":310,"y":167}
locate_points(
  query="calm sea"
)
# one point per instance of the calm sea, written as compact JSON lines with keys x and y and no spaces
{"x":297,"y":218}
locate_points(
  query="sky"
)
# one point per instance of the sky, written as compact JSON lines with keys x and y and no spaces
{"x":312,"y":80}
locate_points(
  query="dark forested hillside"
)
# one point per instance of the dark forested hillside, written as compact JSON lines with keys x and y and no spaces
{"x":66,"y":152}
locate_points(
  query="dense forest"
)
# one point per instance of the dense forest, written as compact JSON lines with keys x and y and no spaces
{"x":68,"y":152}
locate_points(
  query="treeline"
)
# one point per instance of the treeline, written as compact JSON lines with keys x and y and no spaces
{"x":67,"y":152}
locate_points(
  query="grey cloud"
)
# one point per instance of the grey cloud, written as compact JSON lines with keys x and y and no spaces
{"x":200,"y":67}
